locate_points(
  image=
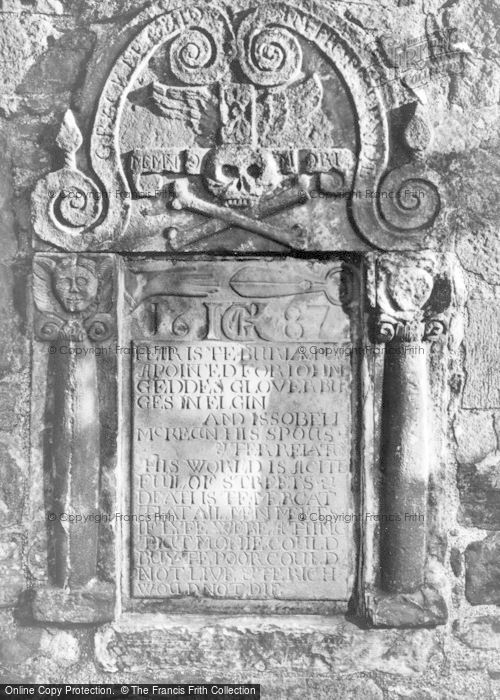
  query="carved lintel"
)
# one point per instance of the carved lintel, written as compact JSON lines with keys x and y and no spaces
{"x":73,"y":297}
{"x":412,"y":303}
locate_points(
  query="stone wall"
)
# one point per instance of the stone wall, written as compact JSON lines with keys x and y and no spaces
{"x":48,"y":52}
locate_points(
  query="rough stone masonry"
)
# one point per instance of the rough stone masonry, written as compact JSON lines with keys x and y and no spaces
{"x":249,"y":379}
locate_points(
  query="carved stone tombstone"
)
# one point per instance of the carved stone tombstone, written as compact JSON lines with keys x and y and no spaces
{"x":258,"y":427}
{"x":242,"y":430}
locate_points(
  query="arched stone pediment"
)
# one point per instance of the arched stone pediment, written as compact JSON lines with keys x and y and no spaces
{"x":268,"y":121}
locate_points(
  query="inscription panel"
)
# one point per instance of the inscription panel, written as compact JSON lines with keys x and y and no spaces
{"x":242,"y":430}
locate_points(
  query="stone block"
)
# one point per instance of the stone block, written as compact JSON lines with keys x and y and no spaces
{"x":8,"y":417}
{"x":11,"y":569}
{"x":61,"y":66}
{"x":424,"y":607}
{"x":483,"y":571}
{"x":456,"y":561}
{"x":480,"y":633}
{"x":12,"y":488}
{"x":90,"y":605}
{"x":475,"y":434}
{"x":400,"y":693}
{"x":17,"y":649}
{"x":482,"y":350}
{"x":255,"y":646}
{"x":25,"y":38}
{"x":62,"y":647}
{"x":479,"y":486}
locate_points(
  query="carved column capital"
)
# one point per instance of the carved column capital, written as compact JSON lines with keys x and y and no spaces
{"x":73,"y":297}
{"x":412,"y":298}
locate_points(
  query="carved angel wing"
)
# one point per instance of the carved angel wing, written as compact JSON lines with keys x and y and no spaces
{"x":106,"y":283}
{"x":187,"y":105}
{"x":43,"y":295}
{"x":305,"y":99}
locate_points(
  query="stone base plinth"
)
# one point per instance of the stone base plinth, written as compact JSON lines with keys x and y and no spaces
{"x":424,"y":607}
{"x":92,"y":604}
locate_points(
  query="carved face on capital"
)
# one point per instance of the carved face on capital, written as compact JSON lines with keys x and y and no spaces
{"x":239,"y":176}
{"x":75,"y":285}
{"x":410,"y":287}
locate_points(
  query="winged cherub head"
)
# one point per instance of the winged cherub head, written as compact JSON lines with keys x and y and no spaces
{"x":75,"y":283}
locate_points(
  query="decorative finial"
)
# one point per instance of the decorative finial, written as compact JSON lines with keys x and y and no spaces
{"x":69,"y":139}
{"x":418,"y":134}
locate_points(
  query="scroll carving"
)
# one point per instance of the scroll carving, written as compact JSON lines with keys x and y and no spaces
{"x":67,"y":202}
{"x":201,"y":54}
{"x":416,"y":202}
{"x":269,"y":55}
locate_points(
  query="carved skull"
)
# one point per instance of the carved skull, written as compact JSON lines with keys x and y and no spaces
{"x":240,"y":176}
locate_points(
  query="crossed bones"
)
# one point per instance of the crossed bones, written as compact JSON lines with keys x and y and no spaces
{"x":223,"y":218}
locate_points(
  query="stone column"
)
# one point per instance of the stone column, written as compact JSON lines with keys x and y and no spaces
{"x":405,"y":463}
{"x":74,"y":463}
{"x":73,"y":297}
{"x":407,"y":320}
